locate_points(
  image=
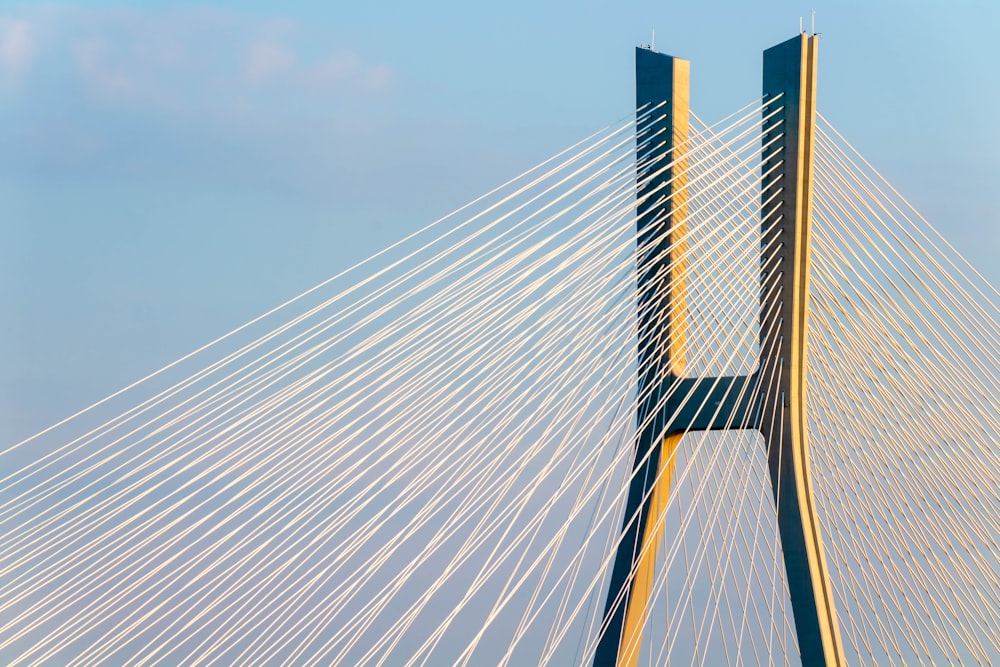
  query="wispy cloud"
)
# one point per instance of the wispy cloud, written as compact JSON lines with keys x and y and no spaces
{"x":346,"y":67}
{"x":181,"y":57}
{"x":90,"y":56}
{"x":193,"y":93}
{"x":18,"y":47}
{"x":266,"y":58}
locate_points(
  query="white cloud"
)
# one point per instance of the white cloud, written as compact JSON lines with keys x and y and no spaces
{"x":338,"y":67}
{"x":377,"y":78}
{"x":18,"y":47}
{"x":189,"y":62}
{"x":99,"y":76}
{"x":266,"y":58}
{"x":347,"y":67}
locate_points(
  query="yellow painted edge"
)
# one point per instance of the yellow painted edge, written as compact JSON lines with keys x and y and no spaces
{"x":830,"y":632}
{"x":642,"y":587}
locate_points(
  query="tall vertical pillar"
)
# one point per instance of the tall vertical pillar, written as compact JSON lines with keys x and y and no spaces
{"x":790,"y":113}
{"x":662,"y":94}
{"x":772,"y":399}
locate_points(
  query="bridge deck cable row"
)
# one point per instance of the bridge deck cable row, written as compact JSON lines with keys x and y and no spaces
{"x":106,"y":505}
{"x":904,"y":391}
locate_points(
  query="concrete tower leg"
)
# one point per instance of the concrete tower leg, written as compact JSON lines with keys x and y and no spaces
{"x":662,"y":93}
{"x":790,"y":91}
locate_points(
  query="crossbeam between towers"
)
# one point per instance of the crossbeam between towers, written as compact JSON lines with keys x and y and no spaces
{"x":670,"y":404}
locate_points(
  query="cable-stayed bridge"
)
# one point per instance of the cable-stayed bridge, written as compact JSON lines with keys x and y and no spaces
{"x":575,"y":421}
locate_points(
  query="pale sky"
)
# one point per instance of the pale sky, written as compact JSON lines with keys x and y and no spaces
{"x":170,"y":170}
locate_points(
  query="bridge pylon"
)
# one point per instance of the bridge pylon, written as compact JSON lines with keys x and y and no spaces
{"x":671,"y":404}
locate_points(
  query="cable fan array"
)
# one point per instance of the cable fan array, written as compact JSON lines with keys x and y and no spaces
{"x":904,"y":405}
{"x":424,"y":460}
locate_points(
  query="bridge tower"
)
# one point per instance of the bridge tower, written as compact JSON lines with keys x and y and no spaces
{"x":673,"y":404}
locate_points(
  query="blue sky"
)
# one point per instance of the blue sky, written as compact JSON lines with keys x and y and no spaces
{"x":170,"y":170}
